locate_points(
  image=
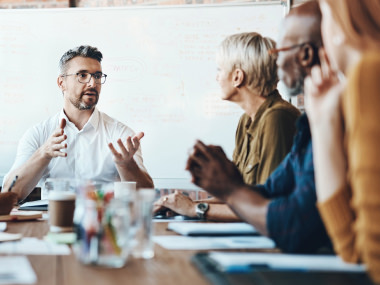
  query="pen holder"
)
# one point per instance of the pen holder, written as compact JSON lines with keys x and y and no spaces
{"x":102,"y":228}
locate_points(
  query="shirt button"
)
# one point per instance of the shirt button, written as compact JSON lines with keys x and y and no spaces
{"x":249,"y":167}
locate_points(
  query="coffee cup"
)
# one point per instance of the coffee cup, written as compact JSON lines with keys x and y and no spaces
{"x":125,"y":189}
{"x":61,"y":195}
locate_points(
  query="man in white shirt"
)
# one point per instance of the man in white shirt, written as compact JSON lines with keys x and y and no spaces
{"x":79,"y":141}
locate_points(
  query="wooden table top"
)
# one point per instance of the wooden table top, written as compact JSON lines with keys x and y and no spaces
{"x":167,"y":267}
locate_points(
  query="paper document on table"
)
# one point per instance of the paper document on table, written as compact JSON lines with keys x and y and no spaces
{"x":34,"y":246}
{"x":9,"y":237}
{"x":202,"y":243}
{"x":16,"y":270}
{"x":212,"y":229}
{"x":178,"y":218}
{"x":247,"y":261}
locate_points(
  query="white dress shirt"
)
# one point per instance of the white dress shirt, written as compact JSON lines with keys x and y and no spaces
{"x":88,"y":155}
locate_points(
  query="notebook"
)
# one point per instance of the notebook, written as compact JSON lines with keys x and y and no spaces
{"x":17,"y":215}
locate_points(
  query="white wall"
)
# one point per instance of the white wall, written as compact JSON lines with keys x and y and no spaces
{"x":161,"y":72}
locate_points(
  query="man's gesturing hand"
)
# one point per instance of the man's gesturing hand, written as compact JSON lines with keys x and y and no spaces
{"x":55,"y":144}
{"x":127,"y":150}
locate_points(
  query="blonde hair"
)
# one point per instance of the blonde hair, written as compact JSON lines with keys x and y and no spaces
{"x":249,"y":52}
{"x":358,"y":19}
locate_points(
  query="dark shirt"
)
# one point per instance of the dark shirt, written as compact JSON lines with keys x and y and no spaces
{"x":293,"y":220}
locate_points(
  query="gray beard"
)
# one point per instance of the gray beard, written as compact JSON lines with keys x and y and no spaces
{"x":297,"y":89}
{"x":82,"y":106}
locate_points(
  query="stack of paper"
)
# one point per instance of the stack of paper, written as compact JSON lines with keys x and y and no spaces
{"x":16,"y":270}
{"x":203,"y":236}
{"x":204,"y":243}
{"x":9,"y":237}
{"x":31,"y":246}
{"x":212,"y":229}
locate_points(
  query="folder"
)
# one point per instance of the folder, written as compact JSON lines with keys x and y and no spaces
{"x":264,"y":275}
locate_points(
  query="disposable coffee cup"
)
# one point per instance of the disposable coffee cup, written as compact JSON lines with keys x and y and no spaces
{"x":61,"y":193}
{"x":61,"y":211}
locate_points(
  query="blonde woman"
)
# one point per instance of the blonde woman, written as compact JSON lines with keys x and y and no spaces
{"x":344,"y":117}
{"x":247,"y":75}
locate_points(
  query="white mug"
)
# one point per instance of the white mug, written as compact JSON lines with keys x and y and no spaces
{"x":125,"y":189}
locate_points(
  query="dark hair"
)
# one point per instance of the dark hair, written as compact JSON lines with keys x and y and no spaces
{"x":83,"y":51}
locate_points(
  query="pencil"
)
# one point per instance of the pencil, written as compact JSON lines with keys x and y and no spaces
{"x":13,"y":183}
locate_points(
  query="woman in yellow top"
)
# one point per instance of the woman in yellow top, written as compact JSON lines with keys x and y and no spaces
{"x":344,"y":116}
{"x":247,"y":75}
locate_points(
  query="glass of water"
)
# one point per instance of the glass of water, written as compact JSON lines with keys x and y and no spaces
{"x":144,"y":247}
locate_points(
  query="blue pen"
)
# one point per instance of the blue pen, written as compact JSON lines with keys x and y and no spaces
{"x":13,"y":183}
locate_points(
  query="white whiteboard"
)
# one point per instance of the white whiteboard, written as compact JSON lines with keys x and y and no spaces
{"x":161,"y":69}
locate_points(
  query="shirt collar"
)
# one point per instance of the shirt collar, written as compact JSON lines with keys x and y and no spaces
{"x":273,"y":97}
{"x":93,"y":121}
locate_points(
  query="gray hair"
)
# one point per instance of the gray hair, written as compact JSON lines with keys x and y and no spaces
{"x":83,"y":51}
{"x":249,"y":52}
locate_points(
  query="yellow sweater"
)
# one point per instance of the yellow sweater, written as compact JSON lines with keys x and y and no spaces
{"x":352,"y":215}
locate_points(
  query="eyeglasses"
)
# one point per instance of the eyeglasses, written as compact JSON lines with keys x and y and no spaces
{"x":277,"y":50}
{"x":85,"y":77}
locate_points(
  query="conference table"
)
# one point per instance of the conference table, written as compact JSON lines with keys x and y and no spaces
{"x":167,"y":267}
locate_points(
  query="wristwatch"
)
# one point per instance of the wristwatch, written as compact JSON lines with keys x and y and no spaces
{"x":201,"y":209}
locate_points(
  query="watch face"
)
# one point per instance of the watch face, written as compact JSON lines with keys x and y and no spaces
{"x":202,"y":206}
{"x":201,"y":209}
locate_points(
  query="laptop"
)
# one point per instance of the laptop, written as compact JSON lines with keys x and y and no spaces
{"x":39,"y":205}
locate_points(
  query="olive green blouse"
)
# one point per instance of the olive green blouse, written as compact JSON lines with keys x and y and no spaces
{"x":262,"y":143}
